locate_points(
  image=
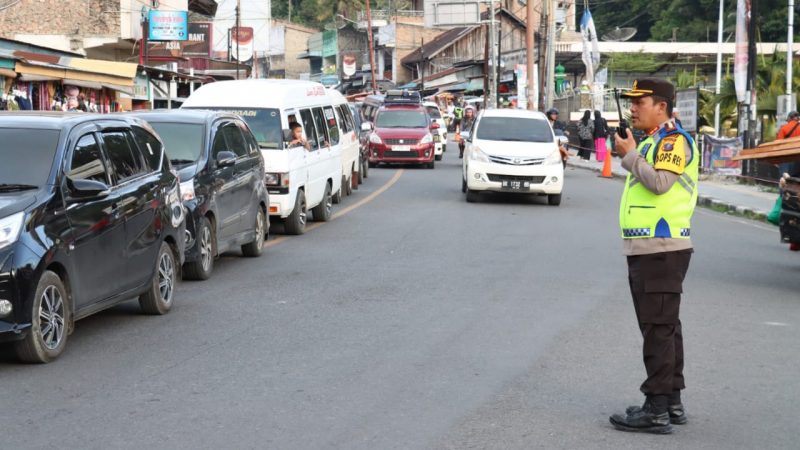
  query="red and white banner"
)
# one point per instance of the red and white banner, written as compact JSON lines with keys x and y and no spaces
{"x":740,"y":57}
{"x":242,"y":43}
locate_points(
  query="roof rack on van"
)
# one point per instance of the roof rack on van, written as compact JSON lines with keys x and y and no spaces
{"x":397,"y":96}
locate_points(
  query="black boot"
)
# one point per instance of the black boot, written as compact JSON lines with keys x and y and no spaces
{"x":677,"y":414}
{"x":652,"y":417}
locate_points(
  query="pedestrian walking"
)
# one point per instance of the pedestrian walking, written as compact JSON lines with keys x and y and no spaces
{"x":586,"y":135}
{"x":600,"y":135}
{"x":655,"y":220}
{"x":465,"y":125}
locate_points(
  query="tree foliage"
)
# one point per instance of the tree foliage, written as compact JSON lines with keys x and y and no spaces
{"x":689,"y":20}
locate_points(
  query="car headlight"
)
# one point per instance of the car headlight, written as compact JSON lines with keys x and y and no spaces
{"x":553,"y":158}
{"x":427,"y":139}
{"x":187,"y":190}
{"x":10,"y":228}
{"x":477,"y":154}
{"x":375,"y":139}
{"x":272,"y":179}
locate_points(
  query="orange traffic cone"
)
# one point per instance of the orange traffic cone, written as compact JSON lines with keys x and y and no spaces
{"x":607,"y":166}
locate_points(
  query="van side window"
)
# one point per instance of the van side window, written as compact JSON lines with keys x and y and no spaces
{"x":236,"y":142}
{"x":87,"y":162}
{"x":322,"y":129}
{"x":343,"y":122}
{"x":121,"y":156}
{"x":248,"y":138}
{"x":333,"y":127}
{"x":308,"y":126}
{"x":348,"y":116}
{"x":150,"y":147}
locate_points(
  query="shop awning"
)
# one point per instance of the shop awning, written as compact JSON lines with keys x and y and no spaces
{"x":44,"y":72}
{"x":8,"y":73}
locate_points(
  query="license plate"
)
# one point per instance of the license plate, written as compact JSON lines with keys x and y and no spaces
{"x":401,"y":148}
{"x":515,"y":185}
{"x":436,"y":138}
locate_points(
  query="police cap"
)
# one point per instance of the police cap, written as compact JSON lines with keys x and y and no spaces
{"x":644,"y":87}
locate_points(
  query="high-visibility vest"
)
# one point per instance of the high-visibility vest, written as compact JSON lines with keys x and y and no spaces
{"x":644,"y":214}
{"x":459,"y":112}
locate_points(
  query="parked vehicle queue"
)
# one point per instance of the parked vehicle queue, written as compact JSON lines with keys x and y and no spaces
{"x":154,"y":195}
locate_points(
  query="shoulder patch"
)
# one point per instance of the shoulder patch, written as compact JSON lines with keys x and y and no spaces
{"x":671,"y":155}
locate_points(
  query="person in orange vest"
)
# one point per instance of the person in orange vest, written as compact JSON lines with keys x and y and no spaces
{"x":791,"y":128}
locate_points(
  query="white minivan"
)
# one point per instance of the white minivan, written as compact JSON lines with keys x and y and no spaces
{"x":298,"y":178}
{"x":351,"y":146}
{"x":512,"y":150}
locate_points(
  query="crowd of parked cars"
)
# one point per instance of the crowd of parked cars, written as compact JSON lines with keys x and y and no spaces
{"x":98,"y":209}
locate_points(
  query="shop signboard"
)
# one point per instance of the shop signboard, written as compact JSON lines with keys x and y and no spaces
{"x":168,"y":25}
{"x":329,"y":45}
{"x":242,"y":43}
{"x":349,"y":65}
{"x":198,"y":44}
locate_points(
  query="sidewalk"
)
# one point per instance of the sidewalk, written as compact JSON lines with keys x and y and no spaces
{"x":719,"y":194}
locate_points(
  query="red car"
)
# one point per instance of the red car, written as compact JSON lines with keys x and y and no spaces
{"x":402,"y":132}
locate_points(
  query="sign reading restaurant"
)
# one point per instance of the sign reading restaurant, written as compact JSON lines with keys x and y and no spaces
{"x":168,"y":25}
{"x":198,"y":43}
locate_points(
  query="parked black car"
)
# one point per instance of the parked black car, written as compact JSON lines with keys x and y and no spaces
{"x":363,"y":139}
{"x":90,"y":216}
{"x":222,"y":183}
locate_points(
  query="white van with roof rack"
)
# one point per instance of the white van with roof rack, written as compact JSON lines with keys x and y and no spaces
{"x":298,"y":178}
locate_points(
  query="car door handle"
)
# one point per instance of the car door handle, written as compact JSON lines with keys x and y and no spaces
{"x":115,"y":211}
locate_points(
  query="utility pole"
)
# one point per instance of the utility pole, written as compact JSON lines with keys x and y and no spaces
{"x":290,"y":11}
{"x":371,"y":50}
{"x":543,"y":20}
{"x":719,"y":66}
{"x":498,"y":71}
{"x":789,"y":53}
{"x":486,"y":32}
{"x":422,"y":65}
{"x":529,"y":32}
{"x":551,"y":52}
{"x":751,"y":75}
{"x":238,"y":25}
{"x":493,"y":46}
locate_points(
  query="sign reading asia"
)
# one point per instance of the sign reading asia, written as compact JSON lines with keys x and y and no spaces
{"x":197,"y":44}
{"x":167,"y":25}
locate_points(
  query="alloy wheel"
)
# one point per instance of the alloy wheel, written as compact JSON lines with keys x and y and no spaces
{"x":51,"y":317}
{"x":259,"y":229}
{"x":166,"y":278}
{"x":206,"y":252}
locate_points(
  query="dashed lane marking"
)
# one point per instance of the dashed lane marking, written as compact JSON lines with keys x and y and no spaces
{"x":347,"y":210}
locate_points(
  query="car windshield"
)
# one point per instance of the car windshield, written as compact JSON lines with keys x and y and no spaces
{"x":434,"y":112}
{"x":401,"y":119}
{"x":27,"y":156}
{"x":182,"y":141}
{"x":514,"y":129}
{"x":265,"y":123}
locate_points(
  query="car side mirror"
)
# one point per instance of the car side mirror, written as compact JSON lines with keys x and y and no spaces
{"x":434,"y":126}
{"x":366,"y":126}
{"x":465,"y":135}
{"x":287,"y":135}
{"x":563,"y":140}
{"x":82,"y":189}
{"x":226,"y":159}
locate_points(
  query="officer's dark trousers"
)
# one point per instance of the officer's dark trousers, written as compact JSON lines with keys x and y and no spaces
{"x":656,"y":283}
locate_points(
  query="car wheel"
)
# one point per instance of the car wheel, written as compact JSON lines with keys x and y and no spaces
{"x":207,"y":249}
{"x":50,"y":318}
{"x":296,"y":222}
{"x":444,"y":149}
{"x":365,"y":168}
{"x":354,"y":179}
{"x":438,"y":157}
{"x":347,"y":186}
{"x":472,"y":196}
{"x":157,"y":300}
{"x":554,"y":199}
{"x":256,"y":247}
{"x":322,"y":212}
{"x":361,"y":172}
{"x":463,"y":184}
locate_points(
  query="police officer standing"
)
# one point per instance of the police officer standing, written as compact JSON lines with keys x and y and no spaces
{"x":655,"y":214}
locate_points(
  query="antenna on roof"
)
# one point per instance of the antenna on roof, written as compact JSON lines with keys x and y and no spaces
{"x":619,"y":34}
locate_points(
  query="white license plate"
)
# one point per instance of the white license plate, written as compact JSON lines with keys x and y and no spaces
{"x":401,"y":148}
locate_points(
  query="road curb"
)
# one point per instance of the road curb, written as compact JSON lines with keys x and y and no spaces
{"x":706,"y":201}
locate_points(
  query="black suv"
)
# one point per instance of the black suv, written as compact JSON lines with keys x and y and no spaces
{"x":90,"y":216}
{"x":222,"y":183}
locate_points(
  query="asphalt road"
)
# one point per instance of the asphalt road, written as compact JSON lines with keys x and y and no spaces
{"x":419,"y":321}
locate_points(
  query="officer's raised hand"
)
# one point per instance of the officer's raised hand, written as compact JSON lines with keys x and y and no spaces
{"x":623,"y":146}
